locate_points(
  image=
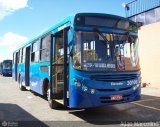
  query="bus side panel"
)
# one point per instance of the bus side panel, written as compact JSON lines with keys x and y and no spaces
{"x":34,"y":77}
{"x":21,"y":73}
{"x":38,"y":72}
{"x":43,"y":74}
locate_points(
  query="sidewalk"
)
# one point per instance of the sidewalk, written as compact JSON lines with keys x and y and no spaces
{"x":151,"y":91}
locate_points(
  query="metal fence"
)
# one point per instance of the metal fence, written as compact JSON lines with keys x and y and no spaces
{"x":138,"y":6}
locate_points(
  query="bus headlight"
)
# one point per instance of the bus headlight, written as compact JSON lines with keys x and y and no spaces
{"x":85,"y":88}
{"x":78,"y":84}
{"x":92,"y":91}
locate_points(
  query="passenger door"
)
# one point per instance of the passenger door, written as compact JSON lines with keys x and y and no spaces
{"x":59,"y":67}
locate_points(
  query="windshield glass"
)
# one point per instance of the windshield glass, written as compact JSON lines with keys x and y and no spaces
{"x":96,"y":51}
{"x":7,"y":65}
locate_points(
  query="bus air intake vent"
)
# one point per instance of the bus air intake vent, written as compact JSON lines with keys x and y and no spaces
{"x":114,"y":77}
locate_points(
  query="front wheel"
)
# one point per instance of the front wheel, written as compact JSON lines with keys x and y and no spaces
{"x":52,"y":104}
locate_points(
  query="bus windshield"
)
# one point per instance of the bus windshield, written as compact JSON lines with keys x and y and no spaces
{"x":96,"y":51}
{"x":7,"y":65}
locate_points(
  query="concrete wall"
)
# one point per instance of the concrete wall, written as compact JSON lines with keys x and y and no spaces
{"x":149,"y":50}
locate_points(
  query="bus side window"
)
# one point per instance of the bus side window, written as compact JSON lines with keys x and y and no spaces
{"x":45,"y":48}
{"x":35,"y":51}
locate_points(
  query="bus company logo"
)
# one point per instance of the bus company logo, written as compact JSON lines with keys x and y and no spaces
{"x":4,"y":123}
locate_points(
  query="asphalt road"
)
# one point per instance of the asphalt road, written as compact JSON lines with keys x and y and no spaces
{"x":19,"y":108}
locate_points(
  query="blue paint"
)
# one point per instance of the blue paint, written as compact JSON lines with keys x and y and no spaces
{"x":81,"y":99}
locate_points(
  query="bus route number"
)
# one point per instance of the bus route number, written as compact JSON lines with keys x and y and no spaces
{"x":132,"y":82}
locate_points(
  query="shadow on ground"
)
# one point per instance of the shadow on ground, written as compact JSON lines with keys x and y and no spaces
{"x":119,"y":113}
{"x":13,"y":114}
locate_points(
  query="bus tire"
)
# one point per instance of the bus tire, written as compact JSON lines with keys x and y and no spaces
{"x":52,"y":104}
{"x":21,"y":87}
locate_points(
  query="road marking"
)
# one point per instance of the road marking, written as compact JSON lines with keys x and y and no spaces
{"x":148,"y":100}
{"x":146,"y":106}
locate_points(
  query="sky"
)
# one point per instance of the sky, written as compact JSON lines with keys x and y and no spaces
{"x":21,"y":20}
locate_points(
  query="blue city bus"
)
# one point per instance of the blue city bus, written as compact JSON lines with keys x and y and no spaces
{"x":86,"y":60}
{"x":6,"y":68}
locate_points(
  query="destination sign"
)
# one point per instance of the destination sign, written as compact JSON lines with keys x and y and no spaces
{"x":99,"y":65}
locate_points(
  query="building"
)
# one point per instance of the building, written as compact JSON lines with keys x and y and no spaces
{"x":147,"y":12}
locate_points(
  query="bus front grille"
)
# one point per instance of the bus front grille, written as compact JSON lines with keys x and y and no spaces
{"x":114,"y":77}
{"x":112,"y":90}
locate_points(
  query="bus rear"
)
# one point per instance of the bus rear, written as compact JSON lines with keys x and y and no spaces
{"x":104,"y":66}
{"x":1,"y":68}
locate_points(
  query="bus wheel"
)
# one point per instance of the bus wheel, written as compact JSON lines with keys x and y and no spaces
{"x":21,"y":87}
{"x":52,"y":104}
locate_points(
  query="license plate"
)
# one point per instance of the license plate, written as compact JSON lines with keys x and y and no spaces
{"x":117,"y":97}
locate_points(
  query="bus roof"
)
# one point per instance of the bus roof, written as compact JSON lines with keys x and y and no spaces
{"x":69,"y":19}
{"x":6,"y":61}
